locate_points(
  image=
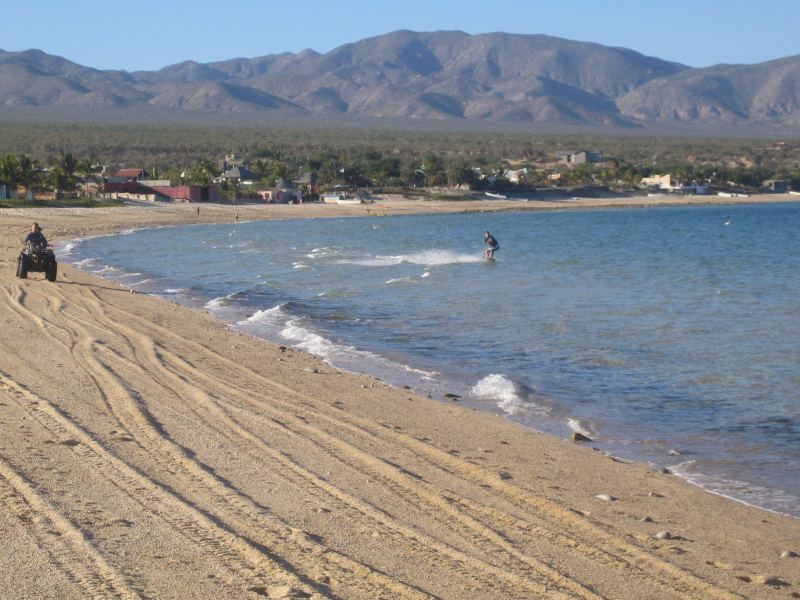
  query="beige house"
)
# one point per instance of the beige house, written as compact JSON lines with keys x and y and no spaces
{"x":663,"y":182}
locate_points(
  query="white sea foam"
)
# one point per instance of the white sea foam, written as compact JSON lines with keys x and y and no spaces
{"x":424,"y":374}
{"x":269,"y":315}
{"x":401,"y":280}
{"x":321,"y":252}
{"x":219,"y":302}
{"x":581,"y":426}
{"x":752,"y":495}
{"x":309,"y":341}
{"x":299,"y":265}
{"x":69,"y":247}
{"x":501,"y":389}
{"x":176,"y":291}
{"x":426,"y":257}
{"x":426,"y":274}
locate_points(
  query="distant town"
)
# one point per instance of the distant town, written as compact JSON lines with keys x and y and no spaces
{"x":271,"y":176}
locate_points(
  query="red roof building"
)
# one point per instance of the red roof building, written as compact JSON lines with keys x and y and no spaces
{"x":133,"y":174}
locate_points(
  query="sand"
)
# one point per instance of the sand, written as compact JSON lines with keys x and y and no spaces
{"x":146,"y":450}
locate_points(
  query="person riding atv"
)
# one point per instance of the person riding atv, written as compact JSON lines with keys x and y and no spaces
{"x":36,"y":256}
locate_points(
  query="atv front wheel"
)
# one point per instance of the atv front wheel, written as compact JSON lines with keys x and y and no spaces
{"x":22,"y":267}
{"x":52,"y":271}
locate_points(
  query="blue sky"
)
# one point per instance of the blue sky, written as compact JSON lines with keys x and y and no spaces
{"x":147,"y":34}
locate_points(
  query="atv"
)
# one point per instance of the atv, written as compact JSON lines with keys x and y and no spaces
{"x":37,"y":258}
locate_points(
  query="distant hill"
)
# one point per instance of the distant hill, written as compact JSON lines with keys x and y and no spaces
{"x":444,"y":75}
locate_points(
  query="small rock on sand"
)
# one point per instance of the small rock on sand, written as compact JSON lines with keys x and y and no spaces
{"x":579,"y":437}
{"x":311,"y":370}
{"x":646,"y":520}
{"x":605,"y":497}
{"x":663,"y":535}
{"x":789,"y":554}
{"x":287,"y":591}
{"x":769,"y":580}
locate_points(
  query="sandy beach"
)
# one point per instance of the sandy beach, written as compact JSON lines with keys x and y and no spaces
{"x":149,"y":451}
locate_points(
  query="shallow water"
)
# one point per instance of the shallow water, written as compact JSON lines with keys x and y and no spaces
{"x":668,"y":335}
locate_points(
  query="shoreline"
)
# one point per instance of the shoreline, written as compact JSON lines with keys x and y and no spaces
{"x":165,"y":398}
{"x":760,"y":496}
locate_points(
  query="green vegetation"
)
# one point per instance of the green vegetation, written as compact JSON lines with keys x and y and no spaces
{"x":63,"y":159}
{"x":64,"y":203}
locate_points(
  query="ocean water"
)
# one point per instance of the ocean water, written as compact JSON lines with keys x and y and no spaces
{"x":669,"y":335}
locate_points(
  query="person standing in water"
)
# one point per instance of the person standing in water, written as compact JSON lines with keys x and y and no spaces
{"x":490,"y":246}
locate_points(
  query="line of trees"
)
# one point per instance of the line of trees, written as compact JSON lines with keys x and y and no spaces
{"x":65,"y":173}
{"x":62,"y":175}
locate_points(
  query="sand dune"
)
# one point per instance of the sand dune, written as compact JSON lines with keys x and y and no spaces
{"x":148,"y":451}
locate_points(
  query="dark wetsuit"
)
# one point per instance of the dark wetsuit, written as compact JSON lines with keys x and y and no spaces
{"x":492,"y":244}
{"x":36,"y":237}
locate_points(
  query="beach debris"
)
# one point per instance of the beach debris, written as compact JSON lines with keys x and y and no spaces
{"x":770,"y":580}
{"x":505,"y":475}
{"x":281,"y":591}
{"x":453,"y":397}
{"x":579,"y":437}
{"x":789,"y":554}
{"x":666,"y":471}
{"x":282,"y":348}
{"x":674,"y":452}
{"x":663,"y":535}
{"x":646,"y":520}
{"x":654,"y":495}
{"x":311,"y":370}
{"x":606,"y":497}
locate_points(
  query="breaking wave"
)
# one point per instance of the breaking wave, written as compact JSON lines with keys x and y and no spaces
{"x":430,"y":258}
{"x":502,"y":390}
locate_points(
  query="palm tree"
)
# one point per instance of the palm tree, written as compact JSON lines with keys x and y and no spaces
{"x":27,"y":172}
{"x":84,"y":169}
{"x":62,"y":176}
{"x":59,"y":180}
{"x":9,"y":171}
{"x":202,"y":172}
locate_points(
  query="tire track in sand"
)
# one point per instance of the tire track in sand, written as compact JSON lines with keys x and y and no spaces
{"x":602,"y":544}
{"x":675,"y":580}
{"x":127,"y":407}
{"x":239,"y":555}
{"x":66,"y":547}
{"x":445,"y":462}
{"x":515,"y":569}
{"x":229,"y":502}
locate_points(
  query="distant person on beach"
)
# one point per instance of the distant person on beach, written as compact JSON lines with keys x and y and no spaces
{"x":35,"y":236}
{"x":490,"y":246}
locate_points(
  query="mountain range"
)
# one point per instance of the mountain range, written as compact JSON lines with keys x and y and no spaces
{"x":443,"y":75}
